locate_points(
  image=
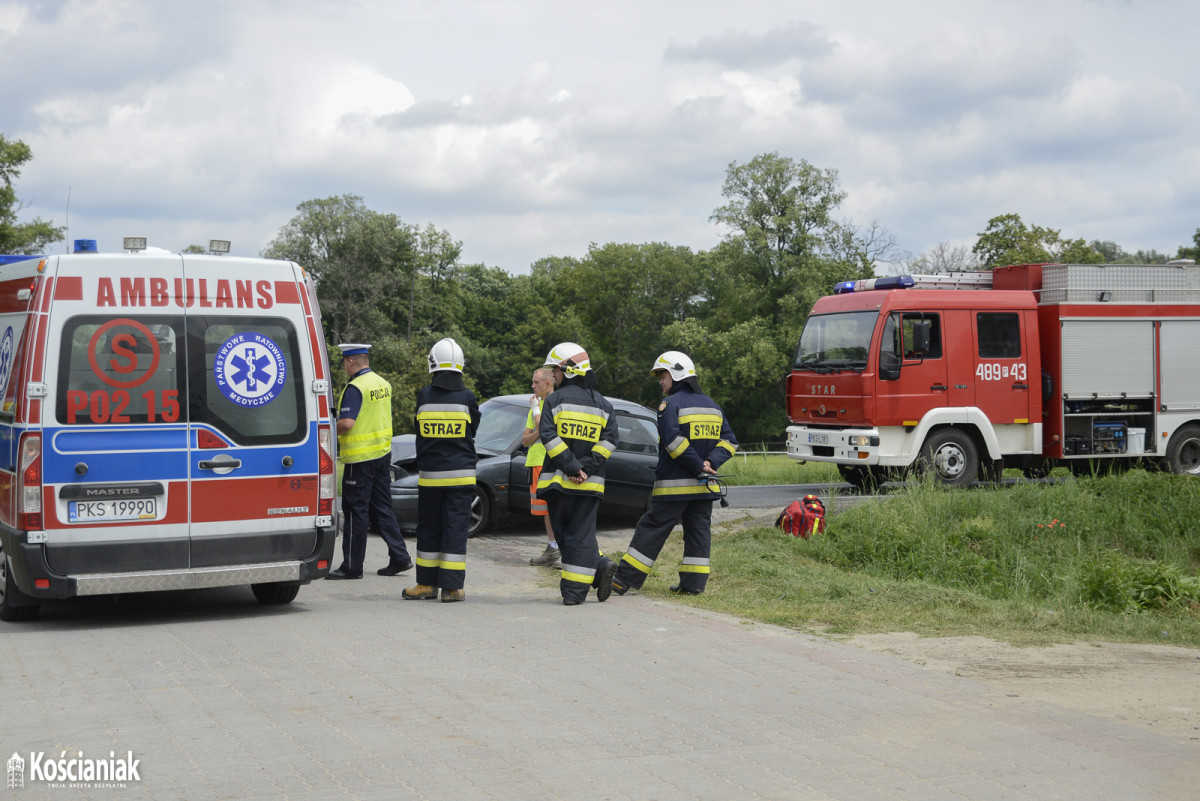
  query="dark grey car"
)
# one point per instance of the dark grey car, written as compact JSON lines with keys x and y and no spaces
{"x":502,"y":480}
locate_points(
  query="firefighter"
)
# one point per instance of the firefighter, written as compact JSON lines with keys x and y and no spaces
{"x":694,"y":440}
{"x":364,"y":430}
{"x":447,"y":417}
{"x":579,"y":430}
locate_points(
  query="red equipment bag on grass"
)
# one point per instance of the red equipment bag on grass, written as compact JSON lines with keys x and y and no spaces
{"x":803,"y":518}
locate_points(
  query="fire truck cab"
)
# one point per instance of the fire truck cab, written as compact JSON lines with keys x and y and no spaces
{"x":166,"y":424}
{"x":1028,"y":366}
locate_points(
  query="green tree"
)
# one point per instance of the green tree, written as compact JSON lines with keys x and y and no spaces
{"x":1192,"y":252}
{"x":785,"y":248}
{"x":19,"y":238}
{"x":1008,"y":240}
{"x":359,"y":259}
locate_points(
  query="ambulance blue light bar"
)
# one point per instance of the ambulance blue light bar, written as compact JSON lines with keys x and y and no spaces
{"x":888,"y":282}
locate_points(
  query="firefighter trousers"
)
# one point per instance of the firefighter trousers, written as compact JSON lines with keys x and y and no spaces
{"x":573,"y":518}
{"x":443,"y":519}
{"x":651,"y":534}
{"x":367,"y":502}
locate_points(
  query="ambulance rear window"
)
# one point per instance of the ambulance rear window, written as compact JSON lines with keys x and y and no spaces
{"x":244,"y":374}
{"x":120,"y":370}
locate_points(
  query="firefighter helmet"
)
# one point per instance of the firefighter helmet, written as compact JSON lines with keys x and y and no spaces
{"x":445,"y":355}
{"x":676,"y":363}
{"x":572,"y":358}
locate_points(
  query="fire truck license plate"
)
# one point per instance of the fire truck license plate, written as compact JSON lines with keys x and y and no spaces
{"x":818,"y":439}
{"x":137,"y":509}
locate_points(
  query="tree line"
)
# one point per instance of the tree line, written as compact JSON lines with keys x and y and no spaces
{"x":737,"y":309}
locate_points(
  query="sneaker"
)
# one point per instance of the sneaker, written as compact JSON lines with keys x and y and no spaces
{"x":450,"y":596}
{"x":605,"y":576}
{"x":551,"y":557}
{"x":675,"y":588}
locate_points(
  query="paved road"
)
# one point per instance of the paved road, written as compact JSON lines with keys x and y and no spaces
{"x":351,"y":693}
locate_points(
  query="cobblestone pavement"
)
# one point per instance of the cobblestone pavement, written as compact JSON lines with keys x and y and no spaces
{"x":352,"y":693}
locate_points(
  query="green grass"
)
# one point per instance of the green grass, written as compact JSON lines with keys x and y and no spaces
{"x":750,"y":469}
{"x":1113,"y":558}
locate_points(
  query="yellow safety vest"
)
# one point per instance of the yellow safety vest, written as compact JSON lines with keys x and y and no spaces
{"x":371,"y":436}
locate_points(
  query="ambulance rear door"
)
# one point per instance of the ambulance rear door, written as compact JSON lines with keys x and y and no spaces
{"x":253,"y":398}
{"x":110,"y":401}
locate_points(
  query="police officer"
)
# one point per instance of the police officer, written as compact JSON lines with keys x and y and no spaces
{"x":694,"y":440}
{"x":364,"y":429}
{"x":579,"y":430}
{"x":447,"y":417}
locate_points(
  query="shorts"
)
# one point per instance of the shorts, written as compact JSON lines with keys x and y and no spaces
{"x":537,"y":506}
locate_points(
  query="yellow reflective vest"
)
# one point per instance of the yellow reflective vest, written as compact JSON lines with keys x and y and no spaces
{"x":371,"y":436}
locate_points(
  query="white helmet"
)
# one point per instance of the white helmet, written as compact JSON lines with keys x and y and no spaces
{"x":445,"y":355}
{"x":572,"y":358}
{"x":676,"y":363}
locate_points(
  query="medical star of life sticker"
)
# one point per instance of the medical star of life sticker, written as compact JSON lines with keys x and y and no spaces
{"x":250,"y":369}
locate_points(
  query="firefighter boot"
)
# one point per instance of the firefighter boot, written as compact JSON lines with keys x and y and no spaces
{"x":604,"y":579}
{"x":450,"y":596}
{"x":421,"y":592}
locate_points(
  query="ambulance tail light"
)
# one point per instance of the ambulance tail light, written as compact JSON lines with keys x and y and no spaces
{"x":327,"y":472}
{"x":30,"y":512}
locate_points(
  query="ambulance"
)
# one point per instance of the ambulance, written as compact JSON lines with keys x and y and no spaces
{"x":166,"y":425}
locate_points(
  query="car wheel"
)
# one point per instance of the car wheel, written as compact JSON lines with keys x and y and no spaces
{"x":276,"y":592}
{"x":481,"y":510}
{"x":950,"y":456}
{"x":10,"y":597}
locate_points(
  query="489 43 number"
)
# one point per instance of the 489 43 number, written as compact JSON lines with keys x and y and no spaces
{"x":994,"y":371}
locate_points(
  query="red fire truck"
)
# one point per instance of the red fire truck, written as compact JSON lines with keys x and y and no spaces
{"x":1030,"y":366}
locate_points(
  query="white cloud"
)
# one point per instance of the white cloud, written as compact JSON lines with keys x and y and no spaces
{"x":534,"y":129}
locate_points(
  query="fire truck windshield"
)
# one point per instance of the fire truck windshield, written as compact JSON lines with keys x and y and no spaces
{"x":833,"y":342}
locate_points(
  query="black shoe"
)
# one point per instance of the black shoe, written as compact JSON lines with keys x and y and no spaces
{"x":605,"y":587}
{"x":339,"y":575}
{"x":394,"y":568}
{"x":675,"y":588}
{"x":619,"y":588}
{"x":571,"y":602}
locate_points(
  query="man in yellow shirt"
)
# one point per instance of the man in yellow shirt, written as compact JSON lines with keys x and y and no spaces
{"x":543,"y":385}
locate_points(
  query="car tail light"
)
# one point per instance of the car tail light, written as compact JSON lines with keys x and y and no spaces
{"x":31,"y":482}
{"x":327,"y":472}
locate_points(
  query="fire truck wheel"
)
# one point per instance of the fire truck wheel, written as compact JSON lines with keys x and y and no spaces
{"x":951,"y":457}
{"x":10,"y":595}
{"x":1183,"y":451}
{"x":275,"y":592}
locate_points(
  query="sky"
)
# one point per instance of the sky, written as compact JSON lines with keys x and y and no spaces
{"x":529,"y":129}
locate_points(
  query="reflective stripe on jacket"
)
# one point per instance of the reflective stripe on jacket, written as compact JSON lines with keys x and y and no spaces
{"x":446,"y":422}
{"x":692,"y":429}
{"x":579,"y":430}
